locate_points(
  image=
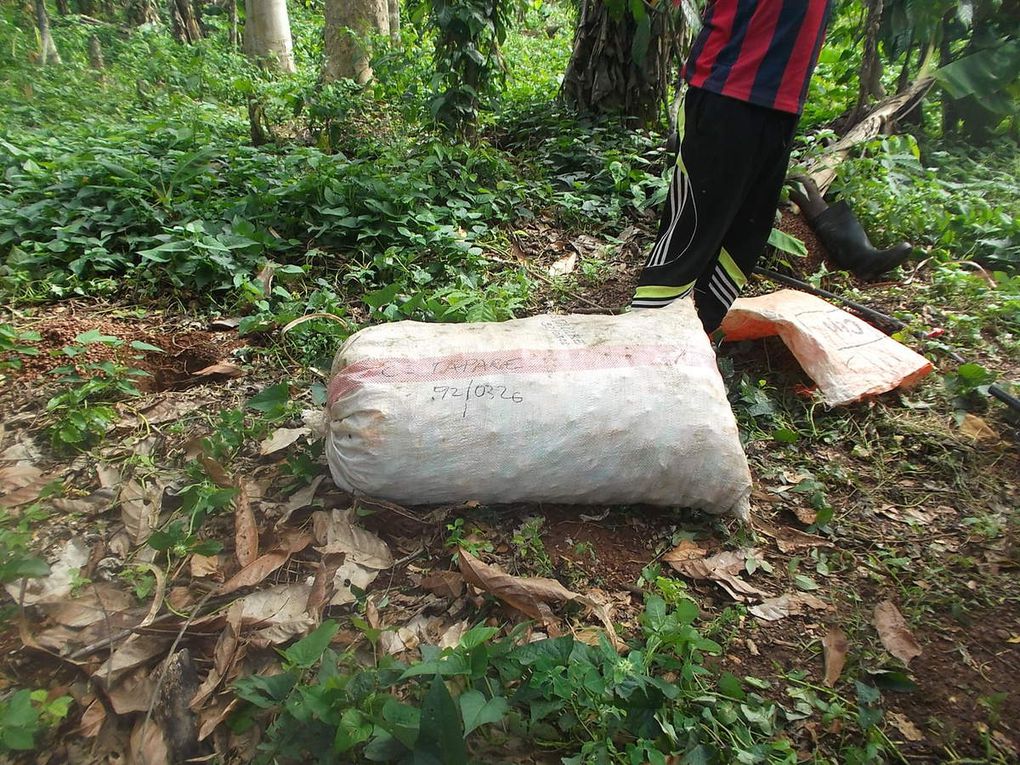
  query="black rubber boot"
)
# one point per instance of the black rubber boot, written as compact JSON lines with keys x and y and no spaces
{"x":848,"y":244}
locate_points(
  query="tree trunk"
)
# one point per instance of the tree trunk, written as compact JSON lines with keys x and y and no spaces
{"x":96,"y":54}
{"x":394,"y":17}
{"x":232,"y":11}
{"x":879,"y":121}
{"x":607,"y":73}
{"x":48,"y":53}
{"x":144,"y":12}
{"x":870,"y":73}
{"x":185,"y":26}
{"x":256,"y":123}
{"x":63,"y":8}
{"x":349,"y":53}
{"x":267,"y":34}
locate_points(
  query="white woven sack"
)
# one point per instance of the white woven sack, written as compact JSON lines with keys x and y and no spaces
{"x":567,"y":409}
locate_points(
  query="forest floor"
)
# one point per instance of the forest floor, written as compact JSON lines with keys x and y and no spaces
{"x":921,"y":511}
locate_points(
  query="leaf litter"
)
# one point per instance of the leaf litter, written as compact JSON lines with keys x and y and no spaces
{"x":289,"y":600}
{"x":722,"y":568}
{"x":894,"y":632}
{"x":834,"y":647}
{"x":532,"y":596}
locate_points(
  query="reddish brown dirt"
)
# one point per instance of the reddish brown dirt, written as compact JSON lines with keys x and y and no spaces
{"x":611,"y":551}
{"x":967,"y":680}
{"x":185,"y":350}
{"x":793,"y":223}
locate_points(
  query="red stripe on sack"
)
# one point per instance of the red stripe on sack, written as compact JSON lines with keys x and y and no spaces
{"x":757,"y":41}
{"x":717,"y":39}
{"x":799,"y":66}
{"x":470,"y":365}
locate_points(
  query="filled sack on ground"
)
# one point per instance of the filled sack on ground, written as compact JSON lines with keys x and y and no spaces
{"x":587,"y":410}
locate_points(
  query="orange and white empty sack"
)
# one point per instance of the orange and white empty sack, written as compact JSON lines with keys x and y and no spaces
{"x":847,"y":358}
{"x":573,"y":409}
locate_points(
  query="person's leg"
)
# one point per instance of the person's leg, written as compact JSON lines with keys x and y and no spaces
{"x":715,"y":169}
{"x":749,"y":228}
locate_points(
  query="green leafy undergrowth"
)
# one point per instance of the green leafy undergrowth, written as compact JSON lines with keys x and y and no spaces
{"x":15,"y":343}
{"x":82,"y":412}
{"x":25,"y":714}
{"x":961,"y":204}
{"x":479,"y":700}
{"x":17,"y":561}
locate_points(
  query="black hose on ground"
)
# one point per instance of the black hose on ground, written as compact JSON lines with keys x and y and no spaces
{"x":996,"y":391}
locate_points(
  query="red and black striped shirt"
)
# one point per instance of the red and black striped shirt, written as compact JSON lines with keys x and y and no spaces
{"x":760,"y":51}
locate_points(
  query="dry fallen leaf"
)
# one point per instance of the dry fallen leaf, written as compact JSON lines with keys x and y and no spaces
{"x":322,"y":584}
{"x":910,"y":731}
{"x":530,"y":595}
{"x":135,"y":651}
{"x":264,"y":565}
{"x":280,"y":439}
{"x":246,"y":530}
{"x":148,"y":746}
{"x":92,"y":719}
{"x":806,"y":515}
{"x":220,"y":369}
{"x":787,"y":604}
{"x":265,"y":277}
{"x":336,"y":532}
{"x":834,"y":646}
{"x":93,"y":504}
{"x":914,"y":515}
{"x":365,"y":553}
{"x":278,"y":612}
{"x":97,"y":602}
{"x":59,"y":583}
{"x":444,"y":584}
{"x":139,"y":509}
{"x":894,"y":633}
{"x":215,"y":470}
{"x":205,"y":565}
{"x":225,"y":654}
{"x":976,"y":428}
{"x":791,"y":540}
{"x":722,"y":568}
{"x":225,"y":322}
{"x":132,"y":692}
{"x":564,"y":265}
{"x":211,"y":717}
{"x":20,"y":484}
{"x":685,"y":551}
{"x":109,"y":476}
{"x":300,"y":499}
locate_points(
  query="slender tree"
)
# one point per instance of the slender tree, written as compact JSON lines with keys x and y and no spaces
{"x":96,"y":54}
{"x":621,"y":62}
{"x":183,"y":22}
{"x":62,"y":7}
{"x":48,"y":53}
{"x":349,"y":25}
{"x":870,"y":73}
{"x":267,"y":34}
{"x":394,"y":14}
{"x":232,"y":12}
{"x":143,"y":12}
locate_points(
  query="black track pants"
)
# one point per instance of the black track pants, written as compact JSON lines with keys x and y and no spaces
{"x":721,"y":204}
